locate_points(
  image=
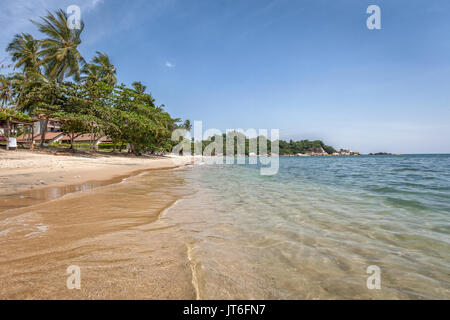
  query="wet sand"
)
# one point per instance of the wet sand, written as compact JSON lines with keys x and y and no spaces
{"x":22,"y":171}
{"x":113,"y":232}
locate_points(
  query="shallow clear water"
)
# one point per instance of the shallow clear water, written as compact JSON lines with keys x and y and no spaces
{"x":226,"y":232}
{"x":312,"y":230}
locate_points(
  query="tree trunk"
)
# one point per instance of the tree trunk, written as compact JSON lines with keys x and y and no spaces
{"x":61,"y":76}
{"x":72,"y":137}
{"x":92,"y":138}
{"x":133,"y":149}
{"x":7,"y":134}
{"x":32,"y":137}
{"x":44,"y":132}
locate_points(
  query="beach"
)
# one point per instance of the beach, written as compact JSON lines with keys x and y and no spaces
{"x":152,"y":228}
{"x":59,"y":211}
{"x":23,"y":170}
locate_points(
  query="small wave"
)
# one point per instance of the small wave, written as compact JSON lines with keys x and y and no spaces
{"x":405,"y":169}
{"x":384,"y":190}
{"x":165,"y":210}
{"x":406,"y":204}
{"x":193,"y":266}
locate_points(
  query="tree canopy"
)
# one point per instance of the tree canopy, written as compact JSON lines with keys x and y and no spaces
{"x":53,"y":81}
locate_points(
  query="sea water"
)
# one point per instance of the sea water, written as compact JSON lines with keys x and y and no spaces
{"x":313,"y":230}
{"x":316,"y":230}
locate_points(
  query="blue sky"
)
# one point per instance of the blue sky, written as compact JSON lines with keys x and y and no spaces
{"x":310,"y":68}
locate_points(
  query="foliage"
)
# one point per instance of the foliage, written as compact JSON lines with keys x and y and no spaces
{"x":285,"y":148}
{"x":92,"y":103}
{"x":11,"y":114}
{"x":100,"y":69}
{"x":24,"y":50}
{"x":303,"y":146}
{"x":59,"y":51}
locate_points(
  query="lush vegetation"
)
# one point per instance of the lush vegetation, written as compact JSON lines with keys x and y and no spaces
{"x":10,"y":114}
{"x":303,"y":146}
{"x":217,"y":144}
{"x":53,"y":81}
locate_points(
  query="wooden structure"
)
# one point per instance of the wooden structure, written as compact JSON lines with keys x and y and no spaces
{"x":11,"y":125}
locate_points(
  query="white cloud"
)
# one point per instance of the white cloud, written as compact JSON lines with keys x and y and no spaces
{"x":94,"y":3}
{"x":170,"y":65}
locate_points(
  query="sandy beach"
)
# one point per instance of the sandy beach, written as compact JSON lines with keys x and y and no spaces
{"x":58,"y":211}
{"x":23,"y":170}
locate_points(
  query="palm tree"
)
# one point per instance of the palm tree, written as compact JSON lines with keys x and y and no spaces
{"x":187,"y":125}
{"x":23,"y":82}
{"x":91,"y":73}
{"x":100,"y":69}
{"x":5,"y":97}
{"x":5,"y":91}
{"x":24,"y":50}
{"x":59,"y":52}
{"x":139,"y":88}
{"x":107,"y":69}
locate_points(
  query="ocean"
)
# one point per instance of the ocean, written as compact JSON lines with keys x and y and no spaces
{"x":316,"y":230}
{"x":312,"y":230}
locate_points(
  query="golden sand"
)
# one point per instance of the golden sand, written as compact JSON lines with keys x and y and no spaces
{"x":109,"y":228}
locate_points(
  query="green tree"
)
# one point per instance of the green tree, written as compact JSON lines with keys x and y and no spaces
{"x":138,"y":87}
{"x":90,"y":73}
{"x":60,"y":49}
{"x":100,"y":69}
{"x":59,"y":52}
{"x":5,"y":91}
{"x":24,"y":50}
{"x":187,"y":125}
{"x":106,"y":68}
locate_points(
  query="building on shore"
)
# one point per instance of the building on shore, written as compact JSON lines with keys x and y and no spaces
{"x":54,"y":134}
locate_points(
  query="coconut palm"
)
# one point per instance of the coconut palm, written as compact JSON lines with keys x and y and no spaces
{"x":107,"y":69}
{"x":90,"y":73}
{"x":5,"y":91}
{"x":24,"y":50}
{"x":59,"y":52}
{"x":138,"y":87}
{"x":187,"y":125}
{"x":60,"y":49}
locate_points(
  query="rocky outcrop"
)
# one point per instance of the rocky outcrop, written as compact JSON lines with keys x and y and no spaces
{"x":319,"y":151}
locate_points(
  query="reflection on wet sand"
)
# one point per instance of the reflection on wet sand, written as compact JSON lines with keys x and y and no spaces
{"x":34,"y":196}
{"x":112,"y":233}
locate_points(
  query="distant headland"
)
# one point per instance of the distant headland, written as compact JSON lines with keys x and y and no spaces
{"x":306,"y":148}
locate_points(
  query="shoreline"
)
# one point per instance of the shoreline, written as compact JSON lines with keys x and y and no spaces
{"x":29,"y":171}
{"x":114,"y":232}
